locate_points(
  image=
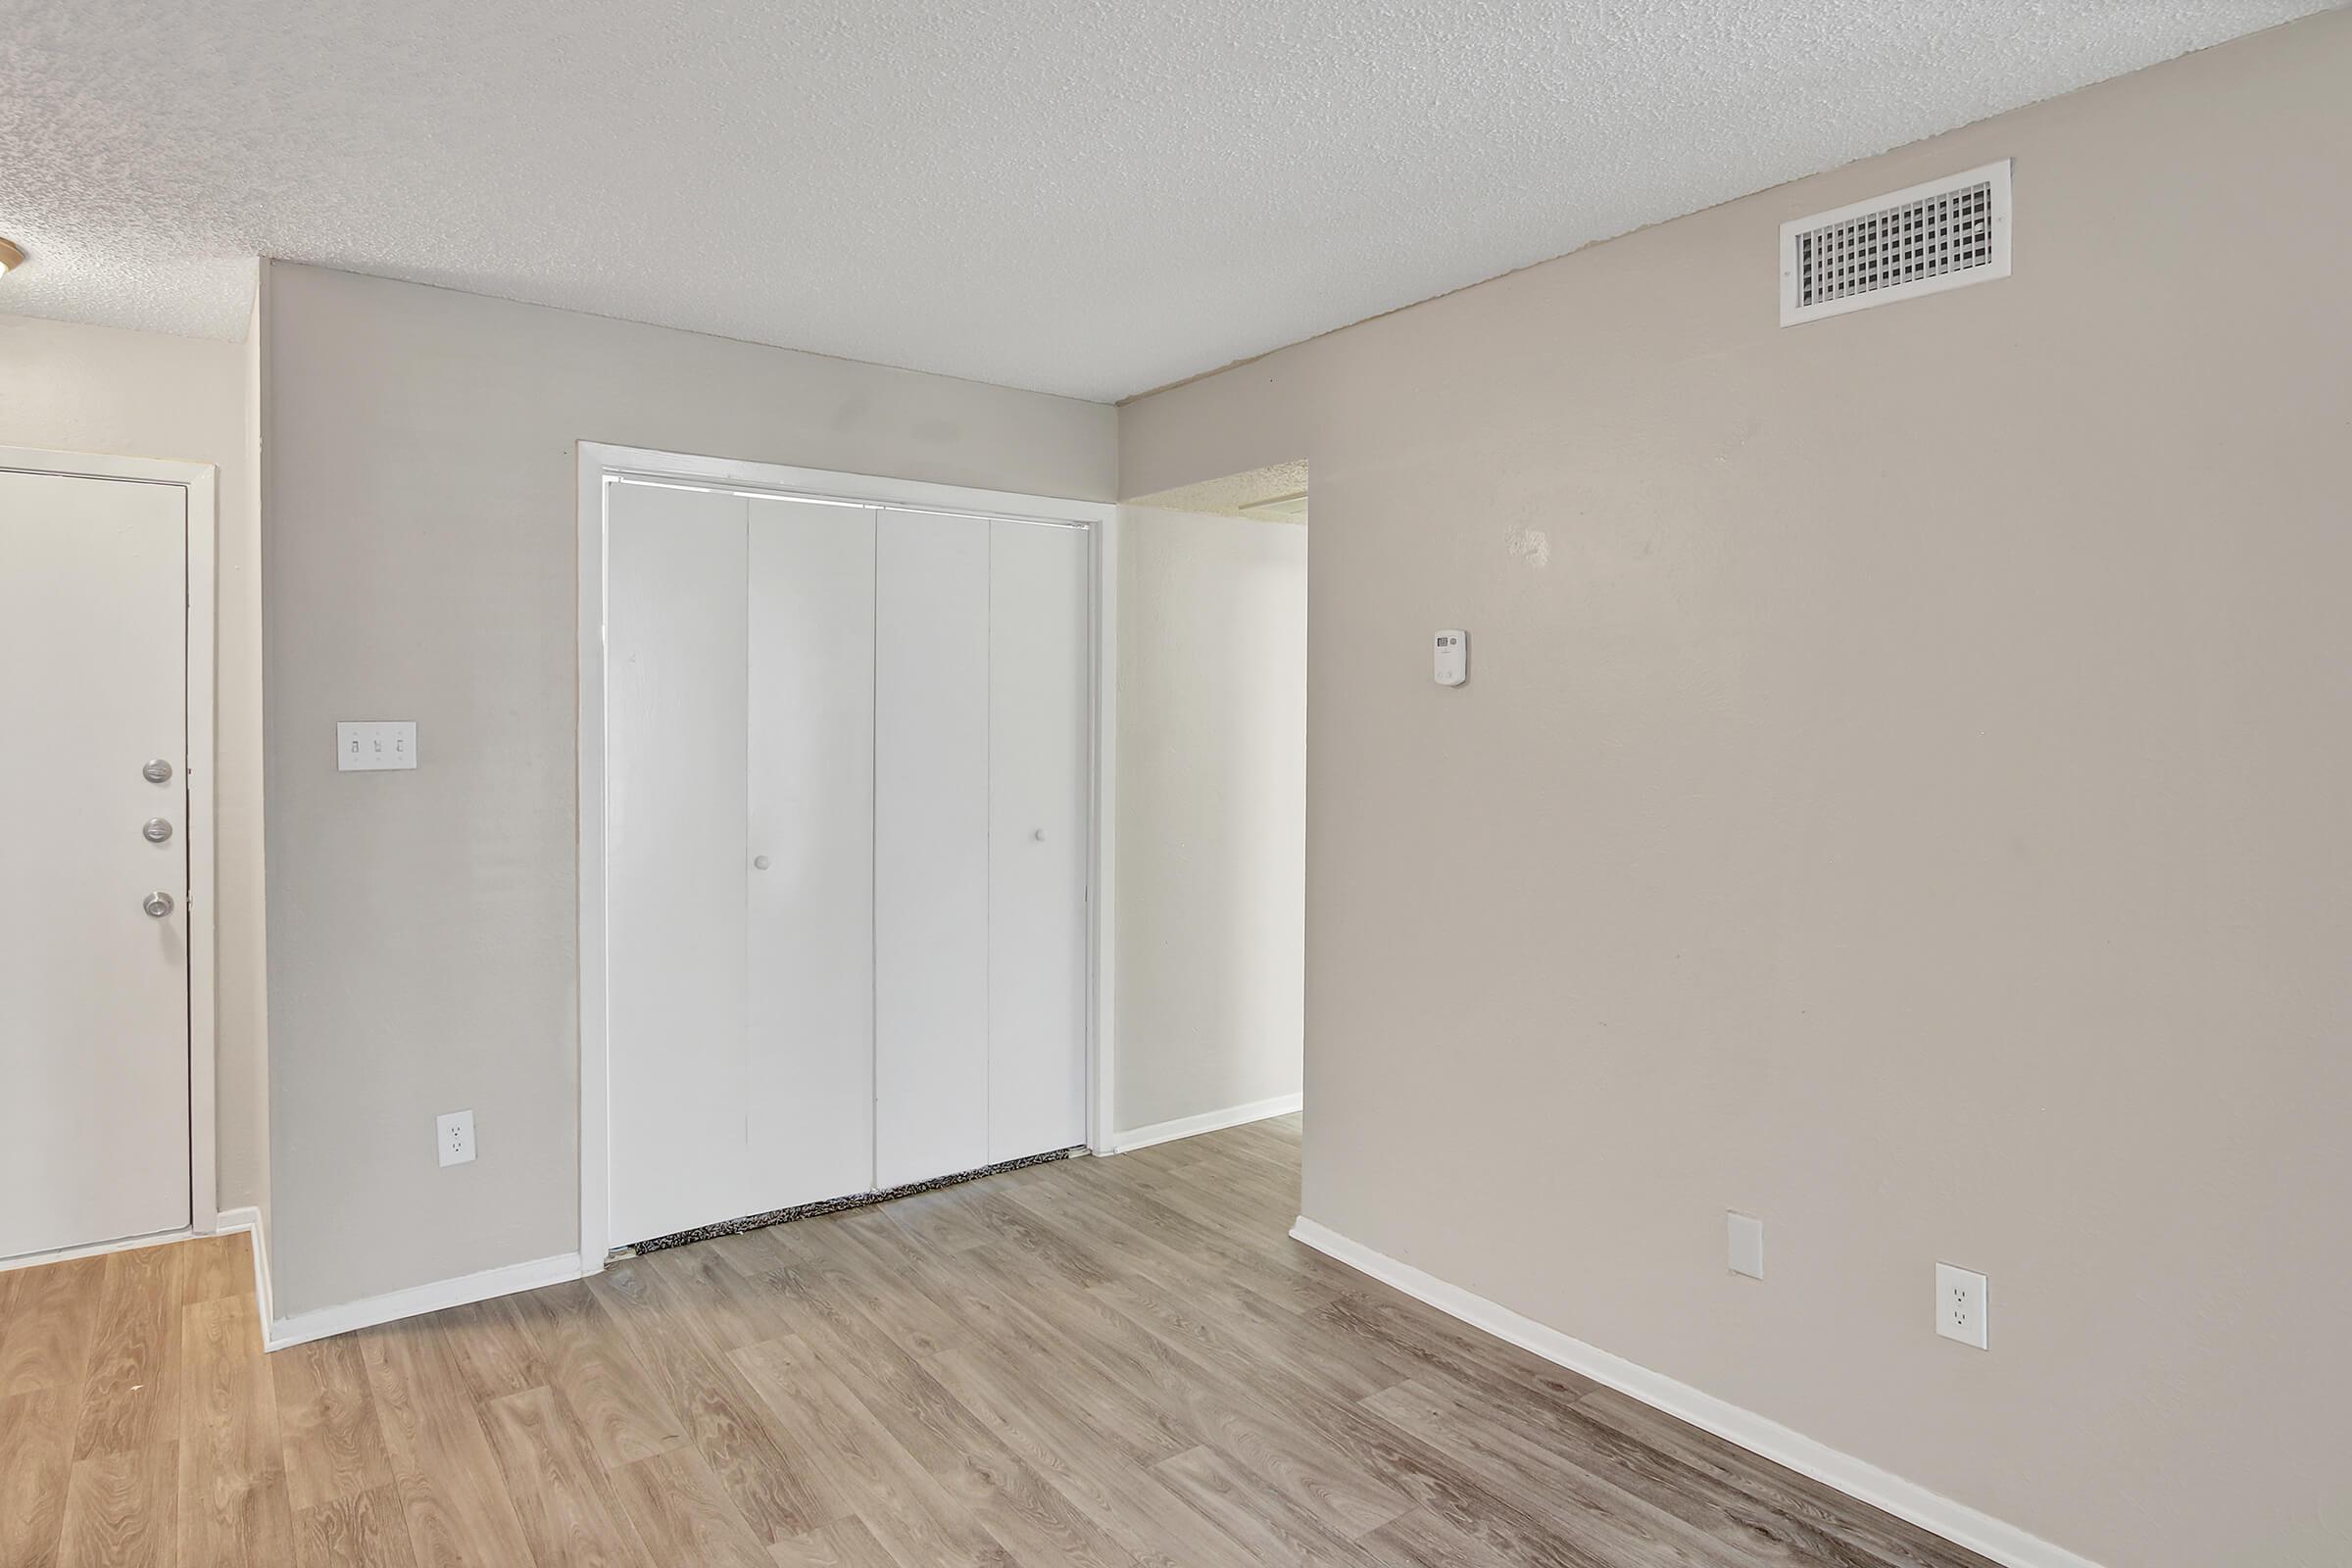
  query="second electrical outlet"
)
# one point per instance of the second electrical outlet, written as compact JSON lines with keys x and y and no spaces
{"x":454,"y":1133}
{"x":1960,"y":1305}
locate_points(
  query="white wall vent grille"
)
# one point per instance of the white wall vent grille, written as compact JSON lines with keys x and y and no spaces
{"x":1944,"y":234}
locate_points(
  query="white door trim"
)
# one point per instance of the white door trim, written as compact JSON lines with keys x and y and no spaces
{"x":601,"y":462}
{"x":200,"y":481}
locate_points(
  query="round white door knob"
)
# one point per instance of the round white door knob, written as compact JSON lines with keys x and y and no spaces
{"x":1039,"y":835}
{"x":759,"y":862}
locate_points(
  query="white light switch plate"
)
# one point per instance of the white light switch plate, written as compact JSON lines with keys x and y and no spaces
{"x":368,"y":746}
{"x":1960,"y":1305}
{"x":1747,"y":1235}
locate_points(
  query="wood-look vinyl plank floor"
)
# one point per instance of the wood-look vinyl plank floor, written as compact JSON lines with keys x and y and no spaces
{"x":1124,"y":1363}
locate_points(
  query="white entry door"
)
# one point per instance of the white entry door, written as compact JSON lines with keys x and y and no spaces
{"x":94,"y":1093}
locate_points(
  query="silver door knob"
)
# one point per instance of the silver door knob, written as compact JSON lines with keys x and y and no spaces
{"x":158,"y":771}
{"x":158,"y":905}
{"x":759,"y":862}
{"x":157,"y":831}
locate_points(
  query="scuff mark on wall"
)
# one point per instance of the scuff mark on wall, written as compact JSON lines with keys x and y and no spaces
{"x":1529,"y":545}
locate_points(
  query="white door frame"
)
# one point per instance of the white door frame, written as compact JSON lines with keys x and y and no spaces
{"x":200,"y":481}
{"x":600,"y":463}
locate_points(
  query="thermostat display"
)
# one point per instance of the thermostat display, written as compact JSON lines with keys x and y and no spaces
{"x":1454,"y":656}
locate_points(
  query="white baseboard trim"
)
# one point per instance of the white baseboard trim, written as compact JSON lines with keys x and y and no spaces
{"x":390,"y":1307}
{"x":248,"y":1220}
{"x":1212,"y":1121}
{"x":1955,"y":1522}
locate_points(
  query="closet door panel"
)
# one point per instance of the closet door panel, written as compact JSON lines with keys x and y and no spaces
{"x":1040,"y":707}
{"x":930,"y":846}
{"x":674,"y":765}
{"x":812,"y":905}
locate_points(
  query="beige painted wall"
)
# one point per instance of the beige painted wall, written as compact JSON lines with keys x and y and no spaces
{"x":1212,"y":813}
{"x":76,"y":389}
{"x":422,"y":532}
{"x":1908,"y":804}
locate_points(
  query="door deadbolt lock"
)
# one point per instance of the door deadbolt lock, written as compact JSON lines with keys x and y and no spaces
{"x":158,"y":771}
{"x":157,"y":831}
{"x":158,"y":905}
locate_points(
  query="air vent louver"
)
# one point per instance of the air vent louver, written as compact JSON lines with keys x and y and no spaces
{"x":1944,"y":234}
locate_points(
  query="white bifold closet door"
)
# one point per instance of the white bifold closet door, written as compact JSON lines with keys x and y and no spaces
{"x":677,"y":675}
{"x":810,"y":901}
{"x":931,"y":815}
{"x":981,"y":779}
{"x":739,"y":845}
{"x":848,"y":799}
{"x":1040,"y":793}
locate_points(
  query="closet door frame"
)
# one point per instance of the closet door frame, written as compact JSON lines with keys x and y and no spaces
{"x":601,"y":465}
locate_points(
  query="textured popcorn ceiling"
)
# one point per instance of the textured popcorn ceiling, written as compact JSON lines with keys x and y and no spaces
{"x":1093,"y":197}
{"x":1229,"y":496}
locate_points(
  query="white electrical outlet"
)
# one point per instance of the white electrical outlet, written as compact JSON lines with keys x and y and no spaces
{"x":1960,"y":1305}
{"x":1746,"y":1234}
{"x":454,"y":1133}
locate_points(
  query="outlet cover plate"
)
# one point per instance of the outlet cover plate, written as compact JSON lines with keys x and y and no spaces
{"x":453,"y":1133}
{"x":1960,"y":1305}
{"x":1745,"y":1234}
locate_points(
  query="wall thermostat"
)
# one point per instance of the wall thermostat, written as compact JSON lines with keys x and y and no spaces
{"x":1454,"y":656}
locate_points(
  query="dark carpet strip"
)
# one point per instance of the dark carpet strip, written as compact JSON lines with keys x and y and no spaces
{"x":832,"y":1206}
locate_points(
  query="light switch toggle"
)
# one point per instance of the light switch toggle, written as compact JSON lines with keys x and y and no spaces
{"x":375,"y":745}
